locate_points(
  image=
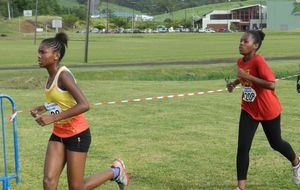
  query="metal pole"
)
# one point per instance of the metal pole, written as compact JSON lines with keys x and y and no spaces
{"x":87,"y":31}
{"x":261,"y":14}
{"x":36,"y":7}
{"x":228,"y":28}
{"x":132,"y":24}
{"x":185,"y":17}
{"x":46,"y":30}
{"x":19,"y":24}
{"x":8,"y":9}
{"x":183,"y":3}
{"x":106,"y":15}
{"x":5,"y":179}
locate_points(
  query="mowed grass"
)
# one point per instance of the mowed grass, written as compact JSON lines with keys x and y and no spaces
{"x":182,"y":143}
{"x":148,"y":48}
{"x":177,"y":144}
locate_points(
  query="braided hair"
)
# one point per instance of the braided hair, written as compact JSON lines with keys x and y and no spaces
{"x":58,"y":43}
{"x":258,"y":37}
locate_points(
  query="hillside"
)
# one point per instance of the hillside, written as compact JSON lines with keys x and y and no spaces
{"x":180,"y":14}
{"x":201,"y":10}
{"x":153,"y":7}
{"x":116,"y":8}
{"x":68,"y":3}
{"x":23,"y":25}
{"x":101,"y":7}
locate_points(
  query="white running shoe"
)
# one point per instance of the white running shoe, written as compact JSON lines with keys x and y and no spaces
{"x":123,"y":178}
{"x":296,"y":173}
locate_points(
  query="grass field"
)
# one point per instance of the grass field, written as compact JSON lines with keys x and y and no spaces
{"x":152,"y":48}
{"x":178,"y":144}
{"x":185,"y":143}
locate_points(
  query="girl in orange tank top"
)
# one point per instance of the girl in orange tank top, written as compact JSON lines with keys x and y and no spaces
{"x":71,"y":138}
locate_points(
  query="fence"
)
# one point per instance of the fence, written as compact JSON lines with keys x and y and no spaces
{"x":15,"y":174}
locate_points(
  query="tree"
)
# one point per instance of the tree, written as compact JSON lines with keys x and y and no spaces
{"x":69,"y":20}
{"x":81,"y":1}
{"x":4,"y":11}
{"x":145,"y":25}
{"x":18,"y":6}
{"x":120,"y":22}
{"x":79,"y":12}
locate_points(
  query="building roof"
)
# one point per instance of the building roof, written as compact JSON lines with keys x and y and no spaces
{"x":248,"y":6}
{"x":216,"y":12}
{"x":197,"y":18}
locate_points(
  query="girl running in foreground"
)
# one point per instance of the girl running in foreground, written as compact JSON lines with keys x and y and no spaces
{"x":71,"y":138}
{"x":259,"y":105}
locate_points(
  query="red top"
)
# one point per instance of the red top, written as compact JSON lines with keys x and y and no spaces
{"x":260,"y":103}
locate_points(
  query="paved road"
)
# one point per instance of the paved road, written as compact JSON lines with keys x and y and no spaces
{"x":205,"y":62}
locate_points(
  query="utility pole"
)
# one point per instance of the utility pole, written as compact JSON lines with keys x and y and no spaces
{"x":88,"y":8}
{"x":183,"y":3}
{"x":8,"y":9}
{"x":261,"y":14}
{"x":133,"y":17}
{"x":36,"y":14}
{"x":107,"y":19}
{"x":228,"y":17}
{"x":185,"y":17}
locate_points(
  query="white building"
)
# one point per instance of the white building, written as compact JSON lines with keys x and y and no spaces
{"x":242,"y":18}
{"x":217,"y":19}
{"x":143,"y":18}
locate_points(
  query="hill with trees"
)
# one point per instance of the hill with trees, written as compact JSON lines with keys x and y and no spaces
{"x":176,"y":13}
{"x":154,"y":7}
{"x":76,"y":7}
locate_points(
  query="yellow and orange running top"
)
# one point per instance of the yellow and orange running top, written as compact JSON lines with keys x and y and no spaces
{"x":63,"y":101}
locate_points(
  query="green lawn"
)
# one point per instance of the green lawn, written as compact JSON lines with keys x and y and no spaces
{"x":183,"y":143}
{"x":177,"y":144}
{"x":150,"y":48}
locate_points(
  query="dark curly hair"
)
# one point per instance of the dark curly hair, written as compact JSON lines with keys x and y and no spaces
{"x":58,"y":43}
{"x":258,"y":36}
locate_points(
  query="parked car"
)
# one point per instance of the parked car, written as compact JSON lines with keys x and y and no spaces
{"x":95,"y":30}
{"x":224,"y":30}
{"x":177,"y":30}
{"x":201,"y":30}
{"x":227,"y":30}
{"x":162,"y":30}
{"x":81,"y":31}
{"x":209,"y":30}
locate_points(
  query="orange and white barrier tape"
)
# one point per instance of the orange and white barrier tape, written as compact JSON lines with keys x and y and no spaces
{"x":288,"y":77}
{"x":157,"y":97}
{"x":13,"y":115}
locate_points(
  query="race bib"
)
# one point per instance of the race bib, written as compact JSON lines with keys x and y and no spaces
{"x":52,"y":108}
{"x":249,"y":94}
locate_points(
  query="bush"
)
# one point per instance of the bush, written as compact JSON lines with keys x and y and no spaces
{"x":98,"y":23}
{"x":69,"y":20}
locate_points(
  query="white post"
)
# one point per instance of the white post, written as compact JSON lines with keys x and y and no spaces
{"x":36,"y":15}
{"x":46,"y":31}
{"x":19,"y":24}
{"x":8,"y":9}
{"x":133,"y":18}
{"x":228,"y":24}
